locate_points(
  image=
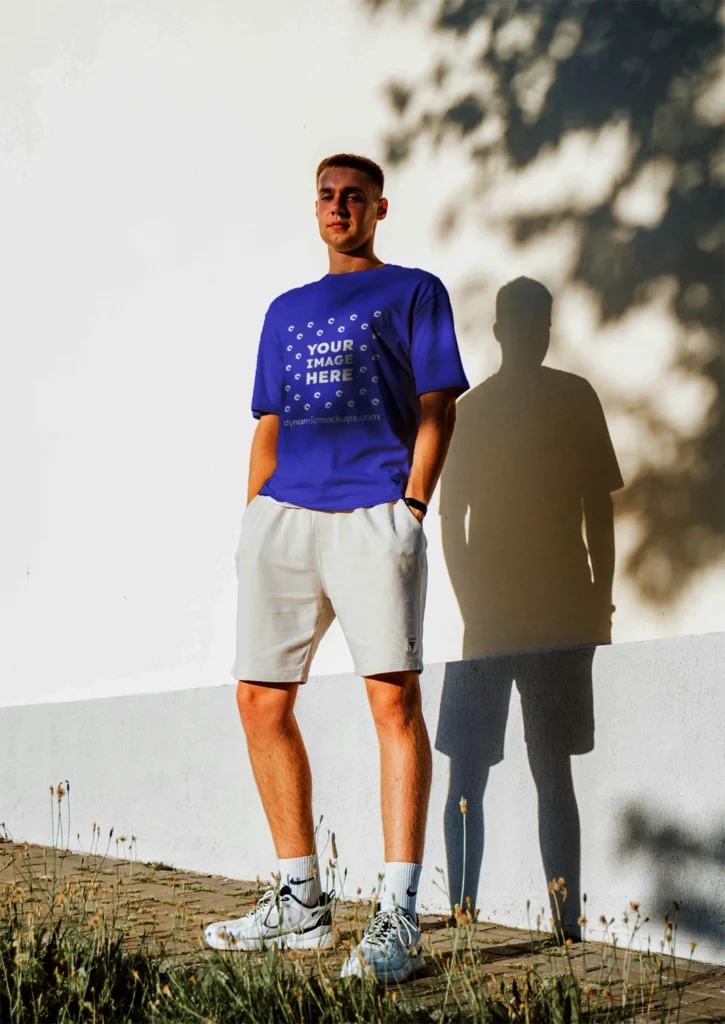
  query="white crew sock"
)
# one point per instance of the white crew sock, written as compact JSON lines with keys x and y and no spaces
{"x":400,"y":886}
{"x":302,"y":875}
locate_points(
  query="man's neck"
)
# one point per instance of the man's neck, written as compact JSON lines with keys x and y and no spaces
{"x":344,"y":263}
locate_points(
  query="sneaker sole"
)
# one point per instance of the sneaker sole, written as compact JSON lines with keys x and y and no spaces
{"x":385,"y":974}
{"x":317,"y":938}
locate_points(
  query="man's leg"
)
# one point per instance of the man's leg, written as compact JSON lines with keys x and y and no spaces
{"x":279,"y":763}
{"x":296,"y":914}
{"x":405,"y":768}
{"x":390,"y":949}
{"x":376,"y":573}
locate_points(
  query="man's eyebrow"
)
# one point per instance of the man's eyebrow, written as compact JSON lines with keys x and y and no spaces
{"x":350,"y":188}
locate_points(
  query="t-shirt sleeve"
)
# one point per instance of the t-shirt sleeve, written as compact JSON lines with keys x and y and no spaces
{"x":434,"y":354}
{"x":600,"y":469}
{"x":267,"y":393}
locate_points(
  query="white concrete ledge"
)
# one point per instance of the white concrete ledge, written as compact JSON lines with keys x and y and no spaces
{"x":172,"y":769}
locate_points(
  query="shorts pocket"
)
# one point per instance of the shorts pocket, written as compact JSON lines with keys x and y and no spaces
{"x":248,"y":517}
{"x":410,"y":514}
{"x":252,"y":502}
{"x":408,"y":526}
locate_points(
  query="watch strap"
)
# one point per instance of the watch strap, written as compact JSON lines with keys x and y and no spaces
{"x":414,"y":503}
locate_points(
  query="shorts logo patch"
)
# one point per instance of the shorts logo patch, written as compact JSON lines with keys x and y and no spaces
{"x":412,"y":643}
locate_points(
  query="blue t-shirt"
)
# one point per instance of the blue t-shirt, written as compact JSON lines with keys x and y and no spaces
{"x":342,"y":361}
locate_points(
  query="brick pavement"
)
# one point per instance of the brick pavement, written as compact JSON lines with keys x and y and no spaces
{"x":173,"y":906}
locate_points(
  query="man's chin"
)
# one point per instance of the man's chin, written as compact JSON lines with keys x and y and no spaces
{"x":341,"y":244}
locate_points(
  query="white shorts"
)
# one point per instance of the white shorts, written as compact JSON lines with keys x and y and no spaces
{"x":299,"y":568}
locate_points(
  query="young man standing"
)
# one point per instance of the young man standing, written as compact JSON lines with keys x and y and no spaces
{"x":355,"y":393}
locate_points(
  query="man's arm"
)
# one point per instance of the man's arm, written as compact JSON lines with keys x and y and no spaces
{"x":599,"y":525}
{"x":438,"y":419}
{"x":263,"y":456}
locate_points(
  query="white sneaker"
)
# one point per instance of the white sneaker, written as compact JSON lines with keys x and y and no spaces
{"x":389,"y":950}
{"x":279,"y":919}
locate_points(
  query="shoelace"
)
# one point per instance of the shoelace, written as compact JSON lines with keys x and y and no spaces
{"x":268,"y":898}
{"x":384,"y":922}
{"x":263,"y":903}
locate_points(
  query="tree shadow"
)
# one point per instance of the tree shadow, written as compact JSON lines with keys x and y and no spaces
{"x":519,"y":82}
{"x":530,"y":465}
{"x":680,"y":866}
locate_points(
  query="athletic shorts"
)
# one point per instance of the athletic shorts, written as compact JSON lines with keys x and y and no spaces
{"x":298,"y":568}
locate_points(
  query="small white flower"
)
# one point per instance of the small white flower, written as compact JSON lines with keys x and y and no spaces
{"x":363,"y":348}
{"x":376,"y":357}
{"x":363,"y":391}
{"x":328,"y":405}
{"x":287,"y":408}
{"x":377,"y":313}
{"x":289,"y":348}
{"x":365,"y":326}
{"x":339,"y":394}
{"x":376,"y":401}
{"x":300,"y":336}
{"x":350,"y":403}
{"x":331,"y":320}
{"x":297,"y":376}
{"x":317,"y":394}
{"x":291,"y":327}
{"x":319,"y":333}
{"x":286,"y":387}
{"x":288,"y":368}
{"x":311,"y":323}
{"x":297,"y":398}
{"x":363,"y":369}
{"x":375,"y":380}
{"x":340,"y":330}
{"x":298,"y":355}
{"x":353,"y":316}
{"x":307,"y":407}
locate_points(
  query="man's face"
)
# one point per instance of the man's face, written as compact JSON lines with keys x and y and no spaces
{"x":345,"y":197}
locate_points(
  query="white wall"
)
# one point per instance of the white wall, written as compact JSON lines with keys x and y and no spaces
{"x":146,"y":150}
{"x":172,"y":769}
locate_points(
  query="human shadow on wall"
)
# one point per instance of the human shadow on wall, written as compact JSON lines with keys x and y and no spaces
{"x":530,"y":463}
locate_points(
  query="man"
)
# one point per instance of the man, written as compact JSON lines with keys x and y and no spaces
{"x":355,"y":393}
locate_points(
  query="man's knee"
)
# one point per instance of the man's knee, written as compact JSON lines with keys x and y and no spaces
{"x":395,"y":700}
{"x":264,"y":706}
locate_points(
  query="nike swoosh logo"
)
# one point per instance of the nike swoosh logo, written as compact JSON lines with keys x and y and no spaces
{"x":271,"y":931}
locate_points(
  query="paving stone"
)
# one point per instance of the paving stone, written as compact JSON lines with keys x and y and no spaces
{"x":174,"y":905}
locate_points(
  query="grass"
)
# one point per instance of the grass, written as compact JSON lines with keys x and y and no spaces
{"x":75,"y":966}
{"x":69,"y":953}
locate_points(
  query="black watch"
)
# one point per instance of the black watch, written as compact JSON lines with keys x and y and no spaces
{"x":414,"y":503}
